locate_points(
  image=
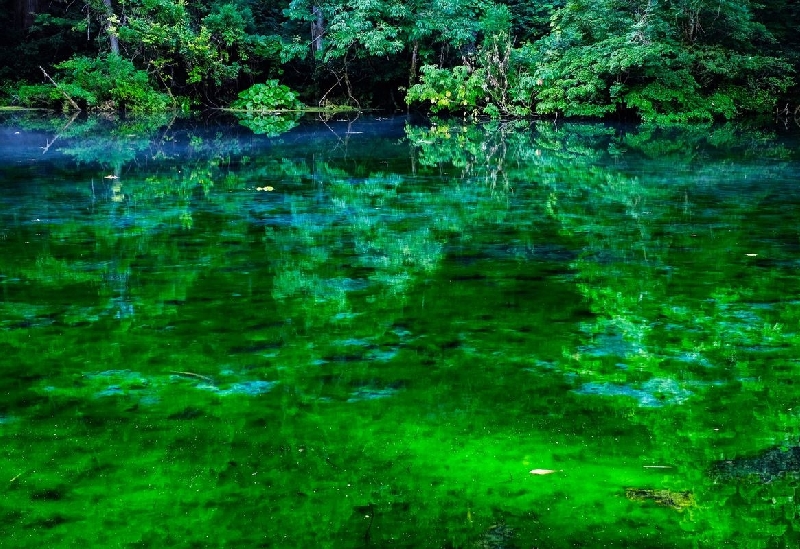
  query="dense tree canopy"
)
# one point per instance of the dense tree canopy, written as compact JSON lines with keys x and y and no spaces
{"x":667,"y":60}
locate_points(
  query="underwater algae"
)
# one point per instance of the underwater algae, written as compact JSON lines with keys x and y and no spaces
{"x":498,"y":335}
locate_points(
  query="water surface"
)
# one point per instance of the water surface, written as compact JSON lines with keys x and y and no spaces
{"x":368,"y":333}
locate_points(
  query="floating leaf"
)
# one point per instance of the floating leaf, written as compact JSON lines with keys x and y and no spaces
{"x":542,"y":471}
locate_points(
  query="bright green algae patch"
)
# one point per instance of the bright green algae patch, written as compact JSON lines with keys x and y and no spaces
{"x":368,"y":333}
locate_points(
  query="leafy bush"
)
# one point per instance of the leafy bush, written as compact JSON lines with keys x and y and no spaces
{"x":47,"y":95}
{"x":491,"y":81}
{"x":481,"y":90}
{"x":101,"y":83}
{"x":270,"y":96}
{"x":638,"y":64}
{"x":456,"y":89}
{"x":115,"y":82}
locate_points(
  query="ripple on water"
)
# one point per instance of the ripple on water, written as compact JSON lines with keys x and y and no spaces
{"x":651,"y":394}
{"x":248,"y":388}
{"x":610,"y":345}
{"x":146,"y":389}
{"x":371,"y":393}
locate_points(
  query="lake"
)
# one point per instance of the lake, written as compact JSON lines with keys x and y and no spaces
{"x":389,"y":332}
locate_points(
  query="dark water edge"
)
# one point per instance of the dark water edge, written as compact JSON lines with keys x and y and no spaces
{"x":397,"y":333}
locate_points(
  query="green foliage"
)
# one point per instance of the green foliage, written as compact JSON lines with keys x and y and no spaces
{"x":456,"y":89}
{"x":258,"y":100}
{"x":398,"y":36}
{"x":48,"y":96}
{"x":490,"y":82}
{"x":650,"y":60}
{"x":103,"y":83}
{"x":206,"y":46}
{"x":669,"y":62}
{"x":114,"y":79}
{"x":531,"y":20}
{"x":269,"y":96}
{"x":357,"y":27}
{"x":446,"y":23}
{"x":59,"y":31}
{"x":228,"y":23}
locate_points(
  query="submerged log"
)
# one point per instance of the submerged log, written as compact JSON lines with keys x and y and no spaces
{"x":667,"y":498}
{"x":766,"y":467}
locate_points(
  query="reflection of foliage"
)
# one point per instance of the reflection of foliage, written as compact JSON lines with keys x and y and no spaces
{"x":634,"y":229}
{"x":363,"y":232}
{"x":270,"y":125}
{"x":479,"y":151}
{"x":95,"y":126}
{"x":559,"y":271}
{"x":111,"y":142}
{"x":642,"y":236}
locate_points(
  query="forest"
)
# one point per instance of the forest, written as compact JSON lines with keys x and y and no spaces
{"x":665,"y":61}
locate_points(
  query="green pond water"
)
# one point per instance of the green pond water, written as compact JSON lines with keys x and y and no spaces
{"x":382,"y":333}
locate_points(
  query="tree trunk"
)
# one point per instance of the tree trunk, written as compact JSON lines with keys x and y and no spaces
{"x":317,"y":29}
{"x":26,"y":12}
{"x":412,"y":73}
{"x":113,"y":40}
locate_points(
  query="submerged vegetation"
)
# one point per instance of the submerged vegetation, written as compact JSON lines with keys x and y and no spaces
{"x":669,"y":62}
{"x":439,"y":335}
